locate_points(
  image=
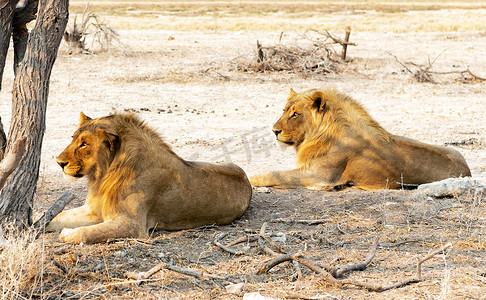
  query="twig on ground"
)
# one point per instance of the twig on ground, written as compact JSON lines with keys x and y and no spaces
{"x":269,"y":240}
{"x":305,"y":222}
{"x":340,"y":229}
{"x":227,"y":249}
{"x":184,"y":271}
{"x":242,"y":240}
{"x":397,"y":244}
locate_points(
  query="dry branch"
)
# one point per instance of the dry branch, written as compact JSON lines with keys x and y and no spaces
{"x":266,"y":238}
{"x":227,"y":249}
{"x":425,"y":73}
{"x":359,"y":266}
{"x":304,"y":222}
{"x":52,"y":212}
{"x":415,"y":279}
{"x":332,"y":274}
{"x":276,"y":261}
{"x":184,"y":271}
{"x":242,"y":240}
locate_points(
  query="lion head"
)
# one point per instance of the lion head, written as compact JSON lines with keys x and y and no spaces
{"x":301,"y":115}
{"x":91,"y":149}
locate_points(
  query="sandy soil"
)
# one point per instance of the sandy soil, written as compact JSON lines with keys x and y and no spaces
{"x":188,"y":89}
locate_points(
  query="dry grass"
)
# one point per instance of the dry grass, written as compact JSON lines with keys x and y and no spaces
{"x":390,"y":16}
{"x":23,"y":264}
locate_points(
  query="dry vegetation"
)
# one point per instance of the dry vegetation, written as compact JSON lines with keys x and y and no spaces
{"x":150,"y":71}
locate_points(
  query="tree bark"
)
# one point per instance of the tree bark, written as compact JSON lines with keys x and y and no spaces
{"x":22,"y":16}
{"x":29,"y":102}
{"x":6,"y":27}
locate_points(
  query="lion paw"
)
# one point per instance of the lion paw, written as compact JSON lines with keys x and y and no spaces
{"x":71,"y":235}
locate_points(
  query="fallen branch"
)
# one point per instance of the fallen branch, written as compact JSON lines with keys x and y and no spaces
{"x":359,"y":266}
{"x":145,"y":275}
{"x":227,"y":249}
{"x":305,"y":222}
{"x":415,"y":279}
{"x":184,"y":271}
{"x":242,"y":240}
{"x":276,"y":261}
{"x":52,"y":212}
{"x":331,"y":274}
{"x":397,"y":244}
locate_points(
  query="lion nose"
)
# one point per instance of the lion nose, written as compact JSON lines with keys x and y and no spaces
{"x":62,"y":164}
{"x":277,"y":132}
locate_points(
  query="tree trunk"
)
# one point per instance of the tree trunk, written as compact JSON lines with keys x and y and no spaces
{"x":29,"y":102}
{"x":6,"y":27}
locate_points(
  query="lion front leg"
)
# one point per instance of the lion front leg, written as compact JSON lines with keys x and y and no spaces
{"x":73,"y":218}
{"x":119,"y":227}
{"x":291,"y":179}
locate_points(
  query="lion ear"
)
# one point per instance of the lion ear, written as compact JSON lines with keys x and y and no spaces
{"x":110,"y":137}
{"x":292,"y":94}
{"x":319,"y":100}
{"x":83,"y":118}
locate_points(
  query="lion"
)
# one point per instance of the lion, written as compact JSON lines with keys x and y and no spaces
{"x":136,"y":182}
{"x":340,"y":145}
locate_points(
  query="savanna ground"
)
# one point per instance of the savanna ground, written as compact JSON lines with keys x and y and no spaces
{"x":176,"y":65}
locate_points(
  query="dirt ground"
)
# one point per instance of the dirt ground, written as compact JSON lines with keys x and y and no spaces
{"x":186,"y":85}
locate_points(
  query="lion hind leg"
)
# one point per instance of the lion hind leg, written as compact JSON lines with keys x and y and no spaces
{"x":73,"y":218}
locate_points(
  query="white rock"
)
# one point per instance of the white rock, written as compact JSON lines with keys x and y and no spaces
{"x":450,"y":187}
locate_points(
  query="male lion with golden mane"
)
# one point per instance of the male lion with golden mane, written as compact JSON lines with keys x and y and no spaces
{"x":136,"y":182}
{"x":338,"y":145}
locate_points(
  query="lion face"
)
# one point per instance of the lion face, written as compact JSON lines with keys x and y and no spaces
{"x":299,"y":114}
{"x":90,"y":147}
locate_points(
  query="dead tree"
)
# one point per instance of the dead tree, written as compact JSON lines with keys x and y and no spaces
{"x":35,"y":53}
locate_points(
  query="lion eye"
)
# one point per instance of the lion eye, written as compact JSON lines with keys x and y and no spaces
{"x":83,"y":145}
{"x":294,"y":115}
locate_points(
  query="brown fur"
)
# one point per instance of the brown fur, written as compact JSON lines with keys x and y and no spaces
{"x":136,"y":182}
{"x":338,"y":144}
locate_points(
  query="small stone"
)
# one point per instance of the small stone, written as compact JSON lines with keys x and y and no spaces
{"x":235,"y":288}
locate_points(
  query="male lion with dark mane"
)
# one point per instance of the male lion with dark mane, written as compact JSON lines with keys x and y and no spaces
{"x":136,"y":182}
{"x":339,"y":145}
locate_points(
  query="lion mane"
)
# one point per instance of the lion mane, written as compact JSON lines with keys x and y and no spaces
{"x":136,"y":182}
{"x":338,"y":144}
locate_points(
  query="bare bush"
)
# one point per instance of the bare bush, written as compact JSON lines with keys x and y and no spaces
{"x":425,"y":73}
{"x":90,"y":27}
{"x":312,"y":54}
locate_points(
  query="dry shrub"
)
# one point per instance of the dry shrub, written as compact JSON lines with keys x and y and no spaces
{"x":311,"y":53}
{"x":22,"y":264}
{"x":91,"y":27}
